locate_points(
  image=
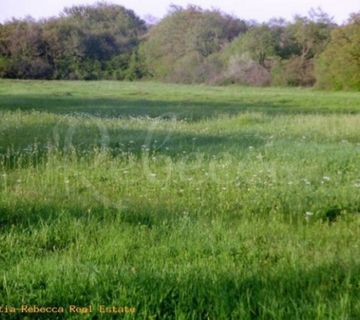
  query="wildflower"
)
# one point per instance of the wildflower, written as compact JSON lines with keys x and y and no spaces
{"x":326,"y":178}
{"x":308,"y":215}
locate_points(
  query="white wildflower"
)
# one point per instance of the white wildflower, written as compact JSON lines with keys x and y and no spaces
{"x":308,"y":215}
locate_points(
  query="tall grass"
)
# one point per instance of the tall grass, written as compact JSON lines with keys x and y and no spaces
{"x":182,"y":202}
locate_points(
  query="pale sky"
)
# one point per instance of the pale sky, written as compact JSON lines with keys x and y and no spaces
{"x":260,"y":10}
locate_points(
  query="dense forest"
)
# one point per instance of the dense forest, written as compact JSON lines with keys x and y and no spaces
{"x":189,"y":45}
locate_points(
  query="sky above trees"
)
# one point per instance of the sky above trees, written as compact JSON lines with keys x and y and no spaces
{"x":260,"y":10}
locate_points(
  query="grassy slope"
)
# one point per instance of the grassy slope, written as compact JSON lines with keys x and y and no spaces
{"x":186,"y":202}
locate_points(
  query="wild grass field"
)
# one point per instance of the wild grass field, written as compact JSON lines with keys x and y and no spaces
{"x":184,"y":202}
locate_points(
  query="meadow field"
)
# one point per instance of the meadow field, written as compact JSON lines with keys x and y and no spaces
{"x":182,"y":202}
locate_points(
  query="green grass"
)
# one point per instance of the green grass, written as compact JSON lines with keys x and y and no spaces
{"x":185,"y":202}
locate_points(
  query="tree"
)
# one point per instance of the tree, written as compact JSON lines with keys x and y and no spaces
{"x":187,"y":37}
{"x":338,"y":67}
{"x":258,"y":44}
{"x":25,"y":52}
{"x":92,"y":35}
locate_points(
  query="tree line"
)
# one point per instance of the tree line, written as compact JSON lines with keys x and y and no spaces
{"x":189,"y":45}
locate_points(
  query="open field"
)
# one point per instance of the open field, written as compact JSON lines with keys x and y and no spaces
{"x":185,"y":202}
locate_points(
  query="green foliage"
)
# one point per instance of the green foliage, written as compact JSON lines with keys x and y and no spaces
{"x":258,"y":44}
{"x":294,"y":71}
{"x":77,"y":45}
{"x":190,"y":45}
{"x":186,"y":37}
{"x":3,"y":65}
{"x":281,"y":50}
{"x":338,"y":67}
{"x":311,"y":34}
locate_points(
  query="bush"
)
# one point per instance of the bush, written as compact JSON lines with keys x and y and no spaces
{"x":244,"y":70}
